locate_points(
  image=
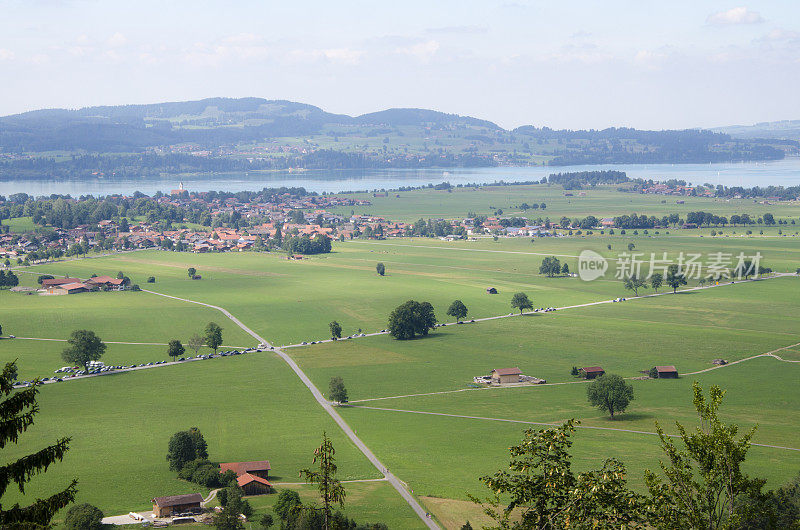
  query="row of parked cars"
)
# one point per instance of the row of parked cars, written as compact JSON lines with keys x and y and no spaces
{"x":99,"y":368}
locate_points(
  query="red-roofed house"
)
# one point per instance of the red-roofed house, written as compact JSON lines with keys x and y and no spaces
{"x":253,"y":485}
{"x":592,"y":372}
{"x":506,"y":375}
{"x":258,"y":468}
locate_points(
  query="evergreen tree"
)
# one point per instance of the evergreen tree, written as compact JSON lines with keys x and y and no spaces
{"x":330,"y":489}
{"x":17,"y":412}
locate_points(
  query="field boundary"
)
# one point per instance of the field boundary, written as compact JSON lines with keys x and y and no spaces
{"x":544,"y":424}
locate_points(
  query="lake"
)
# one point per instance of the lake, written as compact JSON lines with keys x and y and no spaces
{"x":780,"y":173}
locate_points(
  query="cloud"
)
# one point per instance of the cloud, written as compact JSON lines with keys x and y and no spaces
{"x":459,"y":30}
{"x":779,"y":35}
{"x":6,"y":55}
{"x":422,"y":51}
{"x":116,"y":40}
{"x":736,"y":15}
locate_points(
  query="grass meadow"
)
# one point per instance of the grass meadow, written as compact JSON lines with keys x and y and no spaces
{"x":253,"y":406}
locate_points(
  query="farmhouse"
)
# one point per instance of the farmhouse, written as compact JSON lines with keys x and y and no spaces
{"x":667,"y":372}
{"x":55,"y":282}
{"x":167,"y":506}
{"x":506,"y":375}
{"x":259,"y":468}
{"x":592,"y":372}
{"x":106,"y":282}
{"x":73,"y":288}
{"x":253,"y":485}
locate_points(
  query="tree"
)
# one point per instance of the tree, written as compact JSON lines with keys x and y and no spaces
{"x":656,"y":281}
{"x":410,"y":319}
{"x":84,"y":517}
{"x":701,"y":481}
{"x":336,"y":330}
{"x":175,"y":349}
{"x":330,"y":489}
{"x":287,"y":502}
{"x":381,"y":268}
{"x":653,"y":373}
{"x":229,"y":518}
{"x":18,"y":408}
{"x":337,"y":391}
{"x":266,"y":521}
{"x":634,"y":283}
{"x":610,"y":393}
{"x":191,"y":271}
{"x":675,"y":278}
{"x":540,"y":491}
{"x":457,"y":310}
{"x":195,"y":342}
{"x":550,"y":266}
{"x":180,"y":450}
{"x":213,"y":336}
{"x":43,"y":277}
{"x":521,"y":302}
{"x":466,"y":526}
{"x":185,"y":447}
{"x":565,"y":269}
{"x":151,"y":279}
{"x":84,"y":346}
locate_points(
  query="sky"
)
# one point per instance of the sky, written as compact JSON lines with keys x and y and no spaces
{"x":562,"y":64}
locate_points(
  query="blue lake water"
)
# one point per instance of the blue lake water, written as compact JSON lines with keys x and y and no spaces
{"x":780,"y":173}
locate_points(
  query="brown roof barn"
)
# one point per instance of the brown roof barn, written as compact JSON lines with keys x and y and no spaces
{"x":58,"y":281}
{"x":667,"y":372}
{"x":506,"y":375}
{"x":258,"y":468}
{"x":253,"y":485}
{"x":172,"y":504}
{"x":592,"y":372}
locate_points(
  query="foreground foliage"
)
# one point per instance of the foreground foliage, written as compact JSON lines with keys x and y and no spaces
{"x":17,"y":412}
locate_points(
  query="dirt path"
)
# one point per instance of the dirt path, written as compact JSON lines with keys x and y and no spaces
{"x":544,"y":424}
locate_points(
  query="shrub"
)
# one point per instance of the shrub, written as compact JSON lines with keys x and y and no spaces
{"x":151,"y":279}
{"x":653,"y":373}
{"x":84,"y":517}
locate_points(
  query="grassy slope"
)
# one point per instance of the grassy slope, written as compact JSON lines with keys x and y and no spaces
{"x":248,"y":408}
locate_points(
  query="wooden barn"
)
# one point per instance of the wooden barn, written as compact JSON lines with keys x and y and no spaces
{"x":592,"y":372}
{"x":506,"y":375}
{"x":253,"y":485}
{"x":173,"y":504}
{"x":258,"y":468}
{"x":667,"y":372}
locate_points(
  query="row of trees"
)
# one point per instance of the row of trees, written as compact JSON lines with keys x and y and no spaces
{"x":551,"y":266}
{"x":8,"y":279}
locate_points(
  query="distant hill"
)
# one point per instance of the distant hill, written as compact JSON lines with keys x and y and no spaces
{"x":259,"y":134}
{"x":422,"y":117}
{"x":784,"y":129}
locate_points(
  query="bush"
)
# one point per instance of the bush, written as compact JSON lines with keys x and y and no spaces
{"x":84,"y":517}
{"x":135,"y":287}
{"x":151,"y":279}
{"x":653,"y":373}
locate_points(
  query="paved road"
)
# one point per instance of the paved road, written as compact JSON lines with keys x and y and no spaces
{"x":393,"y":480}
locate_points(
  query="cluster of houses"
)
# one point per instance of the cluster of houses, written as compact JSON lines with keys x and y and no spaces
{"x":75,"y":285}
{"x":252,"y":477}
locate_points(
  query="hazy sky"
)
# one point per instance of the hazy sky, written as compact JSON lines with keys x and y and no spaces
{"x":559,"y":63}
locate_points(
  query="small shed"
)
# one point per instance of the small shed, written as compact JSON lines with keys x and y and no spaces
{"x":592,"y":372}
{"x":253,"y":485}
{"x":172,"y":504}
{"x":506,"y":375}
{"x":491,"y":290}
{"x":667,"y":372}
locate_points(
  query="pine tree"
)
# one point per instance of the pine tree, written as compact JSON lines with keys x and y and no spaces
{"x":17,"y":412}
{"x":330,"y":488}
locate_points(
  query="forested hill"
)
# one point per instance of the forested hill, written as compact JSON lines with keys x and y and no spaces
{"x":257,"y":133}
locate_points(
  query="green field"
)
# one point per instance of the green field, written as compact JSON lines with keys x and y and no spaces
{"x":603,"y":201}
{"x":440,"y":441}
